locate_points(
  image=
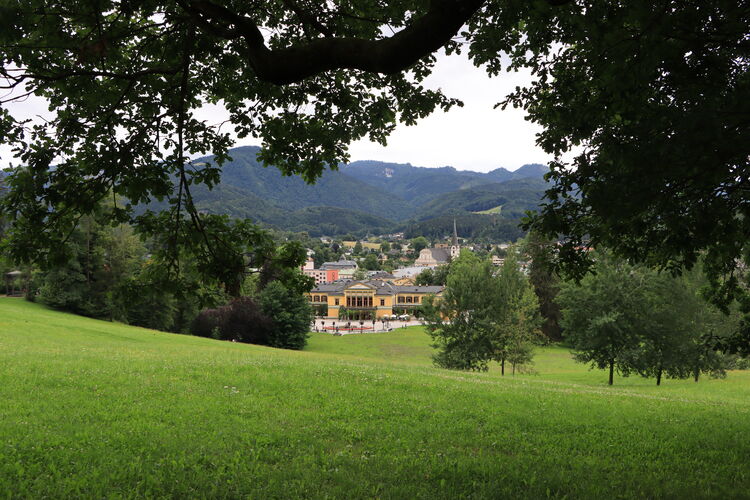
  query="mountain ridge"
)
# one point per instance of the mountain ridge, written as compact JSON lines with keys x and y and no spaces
{"x":368,"y":195}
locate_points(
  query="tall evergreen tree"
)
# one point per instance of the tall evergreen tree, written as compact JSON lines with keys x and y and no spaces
{"x":546,"y":283}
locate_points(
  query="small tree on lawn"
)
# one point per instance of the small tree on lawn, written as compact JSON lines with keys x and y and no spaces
{"x":482,"y":317}
{"x":674,"y":326}
{"x":460,"y":321}
{"x":633,"y":319}
{"x":522,"y":330}
{"x":290,"y":314}
{"x":517,"y":317}
{"x":600,"y":316}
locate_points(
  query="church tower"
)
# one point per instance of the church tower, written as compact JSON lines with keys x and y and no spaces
{"x":455,"y":248}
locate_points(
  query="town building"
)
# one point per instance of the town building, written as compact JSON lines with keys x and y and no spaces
{"x":410,"y":272}
{"x":329,"y":271}
{"x":344,"y":268}
{"x":368,"y":300}
{"x":430,"y":257}
{"x":321,"y":275}
{"x":440,"y":254}
{"x":498,"y":261}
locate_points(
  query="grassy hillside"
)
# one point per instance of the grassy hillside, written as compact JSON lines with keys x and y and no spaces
{"x":94,"y":409}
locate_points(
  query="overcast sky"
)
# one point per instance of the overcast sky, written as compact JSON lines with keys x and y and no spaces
{"x":474,"y":137}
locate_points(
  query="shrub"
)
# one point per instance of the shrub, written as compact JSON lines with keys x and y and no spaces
{"x":280,"y":318}
{"x":209,"y":321}
{"x":246,"y":322}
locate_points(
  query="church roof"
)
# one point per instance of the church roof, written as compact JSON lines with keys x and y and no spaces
{"x":439,"y":254}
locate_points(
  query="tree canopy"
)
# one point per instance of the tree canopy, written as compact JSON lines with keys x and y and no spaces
{"x":484,"y":315}
{"x":632,"y":319}
{"x":643,"y":104}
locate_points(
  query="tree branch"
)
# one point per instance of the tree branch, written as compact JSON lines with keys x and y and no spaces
{"x":390,"y":55}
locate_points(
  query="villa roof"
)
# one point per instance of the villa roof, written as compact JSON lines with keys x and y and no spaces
{"x":405,"y":272}
{"x":380,"y":287}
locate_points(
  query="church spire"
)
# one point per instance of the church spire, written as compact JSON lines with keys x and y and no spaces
{"x":455,"y":233}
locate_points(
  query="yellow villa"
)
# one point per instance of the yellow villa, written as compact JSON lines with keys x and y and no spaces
{"x":369,"y":300}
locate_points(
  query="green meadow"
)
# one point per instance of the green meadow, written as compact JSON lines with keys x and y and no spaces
{"x":96,"y":409}
{"x":490,"y":211}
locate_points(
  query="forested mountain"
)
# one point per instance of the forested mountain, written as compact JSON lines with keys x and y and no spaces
{"x":333,"y":189}
{"x":373,"y":197}
{"x":488,"y":227}
{"x":510,"y":199}
{"x":420,"y":185}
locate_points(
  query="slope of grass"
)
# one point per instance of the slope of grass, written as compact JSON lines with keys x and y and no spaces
{"x":490,"y":211}
{"x":95,"y":409}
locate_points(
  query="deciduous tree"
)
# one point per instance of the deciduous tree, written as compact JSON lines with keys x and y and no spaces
{"x":600,"y":317}
{"x":290,"y":315}
{"x":481,"y":316}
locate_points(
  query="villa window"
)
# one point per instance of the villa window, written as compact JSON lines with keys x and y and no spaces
{"x":336,"y":301}
{"x":382,"y":302}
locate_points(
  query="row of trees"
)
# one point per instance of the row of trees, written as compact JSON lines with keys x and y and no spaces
{"x":632,"y":319}
{"x":115,"y":274}
{"x":625,"y":318}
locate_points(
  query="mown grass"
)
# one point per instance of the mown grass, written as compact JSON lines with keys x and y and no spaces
{"x":95,"y":409}
{"x":552,"y":365}
{"x":490,"y":211}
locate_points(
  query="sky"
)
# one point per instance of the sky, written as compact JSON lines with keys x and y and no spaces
{"x":473,"y":137}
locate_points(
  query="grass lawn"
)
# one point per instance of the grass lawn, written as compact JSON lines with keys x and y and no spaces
{"x":95,"y":409}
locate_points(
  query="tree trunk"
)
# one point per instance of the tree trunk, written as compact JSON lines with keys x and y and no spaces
{"x":696,"y":373}
{"x":658,"y":376}
{"x":514,"y":369}
{"x":502,"y":366}
{"x":611,"y":371}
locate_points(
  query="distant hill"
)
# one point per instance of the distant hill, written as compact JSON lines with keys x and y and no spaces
{"x":514,"y":198}
{"x":420,"y":184}
{"x":489,"y":227}
{"x":326,"y":221}
{"x":370,"y":197}
{"x":292,"y":193}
